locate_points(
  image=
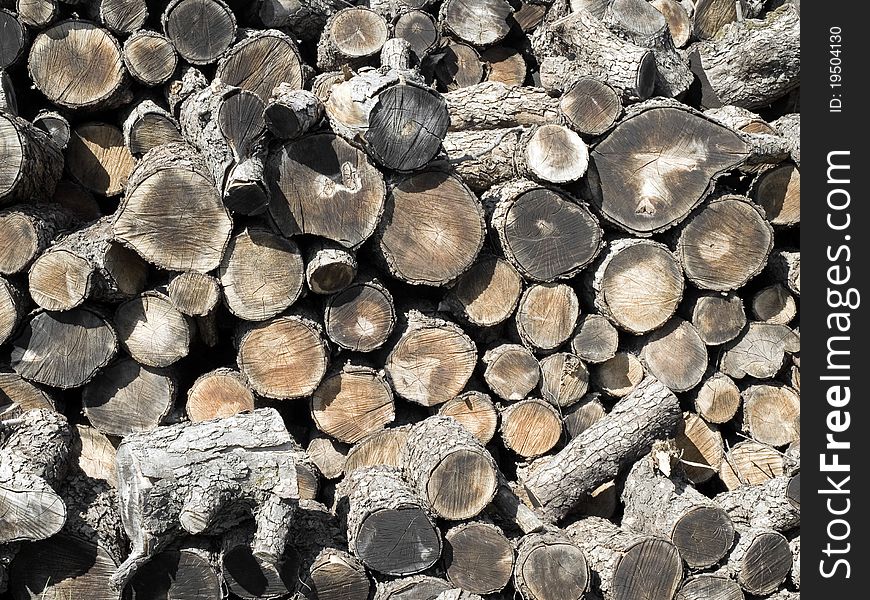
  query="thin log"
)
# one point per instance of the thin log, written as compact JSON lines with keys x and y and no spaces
{"x":778,"y":192}
{"x":530,"y":427}
{"x":768,"y":505}
{"x":493,"y":104}
{"x":147,"y":126}
{"x":619,"y":375}
{"x":564,"y":379}
{"x":535,"y":575}
{"x":675,"y":355}
{"x":329,"y":267}
{"x":32,"y":161}
{"x":717,"y":399}
{"x":595,"y":339}
{"x":290,"y":113}
{"x":718,"y":318}
{"x":218,"y":394}
{"x":590,"y":107}
{"x":474,"y":411}
{"x":511,"y":371}
{"x":486,"y":294}
{"x":194,"y":294}
{"x":361,"y":317}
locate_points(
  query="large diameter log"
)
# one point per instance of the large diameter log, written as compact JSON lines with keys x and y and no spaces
{"x":675,"y":355}
{"x":760,"y":351}
{"x":388,"y":527}
{"x":725,"y":244}
{"x":628,"y":565}
{"x":595,"y":339}
{"x":463,"y":547}
{"x":32,"y":163}
{"x":86,"y":264}
{"x":172,"y":214}
{"x":432,"y":229}
{"x":760,"y":561}
{"x":667,"y":506}
{"x":150,"y":57}
{"x":597,"y":455}
{"x":322,"y":185}
{"x":293,"y":372}
{"x":740,"y":62}
{"x":767,"y":505}
{"x":14,"y":39}
{"x":56,"y":69}
{"x":450,"y":468}
{"x":247,"y":462}
{"x":511,"y":371}
{"x":152,"y":331}
{"x":261,"y":274}
{"x":63,"y":349}
{"x":203,"y":44}
{"x":486,"y":294}
{"x":352,"y":403}
{"x":241,"y":65}
{"x":491,"y":105}
{"x":218,"y":394}
{"x":34,"y":454}
{"x":549,"y":566}
{"x":547,"y":315}
{"x":432,"y":361}
{"x":598,"y":53}
{"x":361,"y":317}
{"x":640,"y":175}
{"x":530,"y":427}
{"x":638,"y":284}
{"x":544,"y":234}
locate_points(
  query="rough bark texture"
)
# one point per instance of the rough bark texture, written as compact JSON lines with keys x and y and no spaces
{"x":767,"y":505}
{"x":33,"y":161}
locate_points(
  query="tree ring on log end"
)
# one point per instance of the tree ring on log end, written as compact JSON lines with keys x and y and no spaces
{"x":555,"y":571}
{"x":703,"y":536}
{"x":452,"y":490}
{"x":766,"y":563}
{"x":415,"y":545}
{"x":651,"y":569}
{"x":249,"y":577}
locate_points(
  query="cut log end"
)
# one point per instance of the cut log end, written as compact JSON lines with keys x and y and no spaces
{"x":531,"y":427}
{"x":217,"y":394}
{"x":199,"y":45}
{"x":535,"y":576}
{"x":464,"y":544}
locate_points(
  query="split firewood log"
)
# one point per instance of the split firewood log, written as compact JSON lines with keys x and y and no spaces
{"x":701,"y":448}
{"x":750,"y":463}
{"x":167,"y":490}
{"x":598,"y":454}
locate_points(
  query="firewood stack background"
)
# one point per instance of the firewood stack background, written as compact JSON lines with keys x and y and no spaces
{"x":405,"y":299}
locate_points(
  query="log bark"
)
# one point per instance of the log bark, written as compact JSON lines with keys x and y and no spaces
{"x":400,"y":121}
{"x":597,"y":455}
{"x":297,"y":370}
{"x":449,"y":467}
{"x":766,"y":146}
{"x":595,"y":339}
{"x":564,"y":379}
{"x":637,"y":284}
{"x":599,"y":53}
{"x":767,"y":505}
{"x":152,"y":331}
{"x":710,"y":587}
{"x":619,"y":375}
{"x":290,"y":113}
{"x":478,"y":22}
{"x":361,"y":317}
{"x":795,"y":545}
{"x":789,"y":127}
{"x":511,"y":371}
{"x":701,"y":448}
{"x":544,"y":234}
{"x":329,"y":267}
{"x":113,"y":400}
{"x":590,"y":107}
{"x":717,"y":399}
{"x":194,"y":294}
{"x":351,"y":36}
{"x":742,"y":67}
{"x":172,"y":180}
{"x":640,"y":176}
{"x":196,"y":45}
{"x":261,"y":274}
{"x":492,"y":104}
{"x":474,"y":411}
{"x":147,"y":126}
{"x":760,"y":561}
{"x":150,"y":57}
{"x":36,"y":354}
{"x":34,"y":454}
{"x":725,"y":244}
{"x":32,"y":161}
{"x":486,"y":294}
{"x":463,"y":547}
{"x":432,"y":361}
{"x":638,"y":22}
{"x":778,"y":192}
{"x":530,"y":427}
{"x":771,"y":414}
{"x":784,"y":265}
{"x":388,"y":527}
{"x":432,"y":229}
{"x":760,"y":351}
{"x":625,"y":564}
{"x":718,"y":318}
{"x":240,"y":66}
{"x":86,"y":264}
{"x":419,"y":587}
{"x":305,"y":19}
{"x":380,"y":448}
{"x":666,"y":505}
{"x":750,"y":463}
{"x":167,"y":490}
{"x":13,"y":308}
{"x":537,"y":576}
{"x":675,"y":355}
{"x":547,"y":315}
{"x":352,"y":403}
{"x":312,"y":177}
{"x":189,"y":81}
{"x":55,"y":68}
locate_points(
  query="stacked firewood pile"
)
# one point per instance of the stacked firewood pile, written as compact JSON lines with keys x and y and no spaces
{"x":405,"y":299}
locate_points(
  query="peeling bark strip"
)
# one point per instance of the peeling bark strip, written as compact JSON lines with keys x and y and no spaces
{"x":168,"y":488}
{"x":598,"y":454}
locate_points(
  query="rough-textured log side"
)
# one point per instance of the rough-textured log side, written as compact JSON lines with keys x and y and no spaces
{"x":767,"y":505}
{"x":32,"y":163}
{"x":597,"y":455}
{"x":491,"y":104}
